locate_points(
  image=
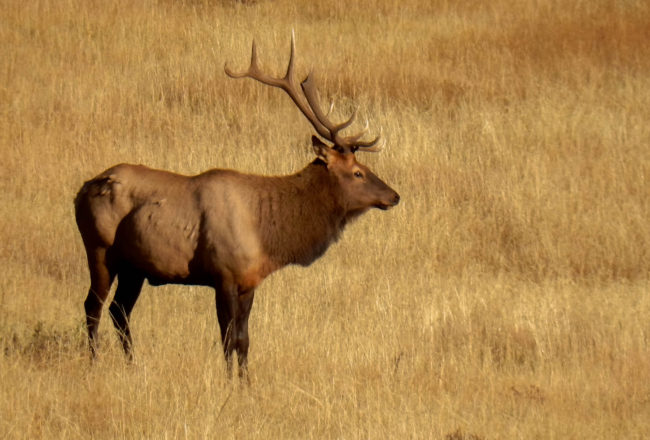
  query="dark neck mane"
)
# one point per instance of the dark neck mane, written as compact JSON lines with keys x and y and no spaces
{"x":300,"y":215}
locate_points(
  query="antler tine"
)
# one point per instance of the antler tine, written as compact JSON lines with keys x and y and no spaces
{"x":311,"y":94}
{"x":308,"y":102}
{"x":347,"y":123}
{"x":353,"y":140}
{"x":372,"y":146}
{"x":329,"y":112}
{"x":287,"y":84}
{"x":289,"y":75}
{"x":361,"y":134}
{"x":256,"y":73}
{"x":251,"y":69}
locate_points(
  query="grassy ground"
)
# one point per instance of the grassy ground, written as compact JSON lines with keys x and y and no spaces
{"x":505,"y":297}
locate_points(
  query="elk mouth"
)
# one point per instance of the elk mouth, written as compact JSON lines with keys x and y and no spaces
{"x":386,"y":206}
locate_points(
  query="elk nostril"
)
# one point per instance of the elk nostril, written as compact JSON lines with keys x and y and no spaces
{"x":396,"y":199}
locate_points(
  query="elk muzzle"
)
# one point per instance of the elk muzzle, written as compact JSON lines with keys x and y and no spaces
{"x":390,"y":201}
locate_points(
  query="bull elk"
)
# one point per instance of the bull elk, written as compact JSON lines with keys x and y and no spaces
{"x":222,"y":229}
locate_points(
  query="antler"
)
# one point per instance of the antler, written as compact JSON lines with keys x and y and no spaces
{"x":308,"y":103}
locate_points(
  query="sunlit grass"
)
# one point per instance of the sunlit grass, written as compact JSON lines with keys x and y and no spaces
{"x":505,"y":297}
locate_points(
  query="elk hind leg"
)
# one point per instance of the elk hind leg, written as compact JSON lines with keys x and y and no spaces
{"x":101,"y":278}
{"x":129,"y":285}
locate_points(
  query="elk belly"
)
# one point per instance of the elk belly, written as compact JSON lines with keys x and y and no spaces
{"x":158,"y":240}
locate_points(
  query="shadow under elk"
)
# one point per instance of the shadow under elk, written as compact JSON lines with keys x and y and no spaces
{"x":222,"y":228}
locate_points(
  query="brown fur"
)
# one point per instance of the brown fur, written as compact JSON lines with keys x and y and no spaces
{"x":222,"y":229}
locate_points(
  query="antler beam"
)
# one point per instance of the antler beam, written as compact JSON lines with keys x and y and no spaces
{"x":308,"y":103}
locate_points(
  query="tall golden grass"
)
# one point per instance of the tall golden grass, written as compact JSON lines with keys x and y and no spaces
{"x":505,"y":297}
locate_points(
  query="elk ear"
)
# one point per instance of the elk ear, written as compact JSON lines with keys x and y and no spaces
{"x":321,"y":149}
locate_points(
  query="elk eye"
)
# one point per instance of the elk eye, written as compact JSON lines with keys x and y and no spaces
{"x":358,"y":174}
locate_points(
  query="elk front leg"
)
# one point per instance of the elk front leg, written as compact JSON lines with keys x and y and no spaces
{"x":226,"y":302}
{"x":233,"y":310}
{"x":245,"y":305}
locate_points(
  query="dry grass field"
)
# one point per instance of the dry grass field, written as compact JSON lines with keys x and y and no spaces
{"x":505,"y":297}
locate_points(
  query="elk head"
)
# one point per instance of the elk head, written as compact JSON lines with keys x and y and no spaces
{"x":361,"y":188}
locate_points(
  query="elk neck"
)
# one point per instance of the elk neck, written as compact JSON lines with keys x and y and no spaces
{"x":301,"y":215}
